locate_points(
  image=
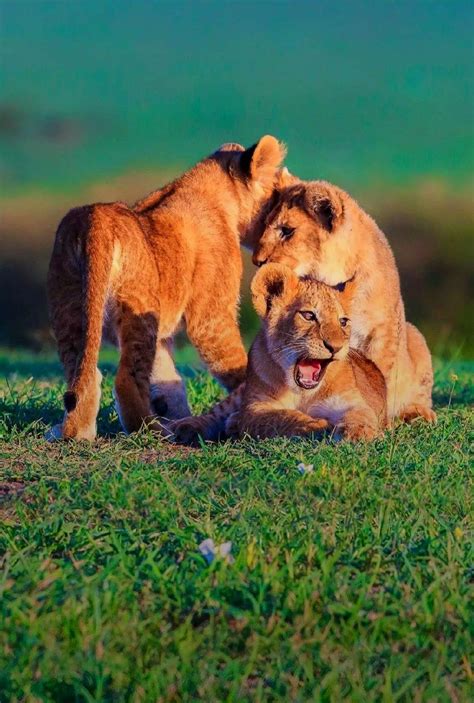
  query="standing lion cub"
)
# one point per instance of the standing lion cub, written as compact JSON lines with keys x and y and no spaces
{"x":133,"y":274}
{"x":302,"y":377}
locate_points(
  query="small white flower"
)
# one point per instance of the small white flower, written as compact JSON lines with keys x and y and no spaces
{"x":224,"y":551}
{"x":210,"y":551}
{"x":305,"y":468}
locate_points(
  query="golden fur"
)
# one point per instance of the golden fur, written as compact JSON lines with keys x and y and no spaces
{"x":303,"y":326}
{"x":133,"y":274}
{"x":317,"y":229}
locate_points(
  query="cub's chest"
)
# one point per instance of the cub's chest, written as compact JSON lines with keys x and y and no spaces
{"x":335,"y":396}
{"x":332,"y":408}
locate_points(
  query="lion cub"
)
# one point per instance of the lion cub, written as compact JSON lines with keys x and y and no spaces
{"x":302,"y":377}
{"x":134,"y":275}
{"x":319,"y":230}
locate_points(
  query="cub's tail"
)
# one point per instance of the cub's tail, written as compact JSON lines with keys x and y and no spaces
{"x":77,"y":286}
{"x":210,"y":426}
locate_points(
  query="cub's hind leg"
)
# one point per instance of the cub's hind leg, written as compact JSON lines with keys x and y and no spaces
{"x":420,"y":404}
{"x":137,"y":335}
{"x":167,"y":389}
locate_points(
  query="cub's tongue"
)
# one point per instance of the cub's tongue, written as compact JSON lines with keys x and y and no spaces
{"x":308,"y":372}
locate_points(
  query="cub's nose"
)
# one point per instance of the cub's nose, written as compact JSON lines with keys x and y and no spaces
{"x":333,"y":348}
{"x":259,"y":259}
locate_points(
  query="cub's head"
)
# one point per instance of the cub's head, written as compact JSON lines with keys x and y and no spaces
{"x":308,"y":230}
{"x":258,"y":166}
{"x":256,"y":176}
{"x":304,"y":322}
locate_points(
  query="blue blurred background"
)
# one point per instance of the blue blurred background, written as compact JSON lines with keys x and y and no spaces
{"x":108,"y":100}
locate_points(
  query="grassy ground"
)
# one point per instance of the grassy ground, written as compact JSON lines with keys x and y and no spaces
{"x":350,"y":583}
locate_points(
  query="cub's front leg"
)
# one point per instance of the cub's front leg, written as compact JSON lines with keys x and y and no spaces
{"x":263,"y":421}
{"x":167,"y":389}
{"x":210,"y":426}
{"x":212,"y":322}
{"x":359,"y":425}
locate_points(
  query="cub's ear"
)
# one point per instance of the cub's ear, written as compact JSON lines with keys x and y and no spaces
{"x":230,"y":146}
{"x":271,"y":282}
{"x":346,"y":291}
{"x":327,"y":208}
{"x":285,"y":179}
{"x":261,"y":161}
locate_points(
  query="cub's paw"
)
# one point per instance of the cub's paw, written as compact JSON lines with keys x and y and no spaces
{"x":187,"y":431}
{"x":417,"y":412}
{"x":316,"y":428}
{"x":232,"y":426}
{"x":357,"y":432}
{"x":67,"y":431}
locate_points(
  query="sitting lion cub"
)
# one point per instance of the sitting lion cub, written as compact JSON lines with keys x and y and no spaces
{"x":302,"y":377}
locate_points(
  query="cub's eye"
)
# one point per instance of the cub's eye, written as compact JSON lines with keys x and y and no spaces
{"x":286,"y":232}
{"x":344,"y":321}
{"x":308,"y":315}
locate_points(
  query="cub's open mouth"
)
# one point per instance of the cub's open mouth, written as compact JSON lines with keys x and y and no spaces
{"x":309,"y":372}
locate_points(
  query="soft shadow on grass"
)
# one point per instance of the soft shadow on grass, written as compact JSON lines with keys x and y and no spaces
{"x":30,"y":407}
{"x":32,"y":388}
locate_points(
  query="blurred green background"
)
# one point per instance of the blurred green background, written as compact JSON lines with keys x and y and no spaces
{"x":109,"y":100}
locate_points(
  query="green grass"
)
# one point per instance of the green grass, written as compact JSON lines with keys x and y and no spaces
{"x":352,"y":583}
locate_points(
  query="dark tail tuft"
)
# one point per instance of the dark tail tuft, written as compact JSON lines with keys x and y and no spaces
{"x":70,"y":401}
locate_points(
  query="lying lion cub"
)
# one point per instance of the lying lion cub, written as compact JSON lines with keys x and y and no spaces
{"x":302,"y":377}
